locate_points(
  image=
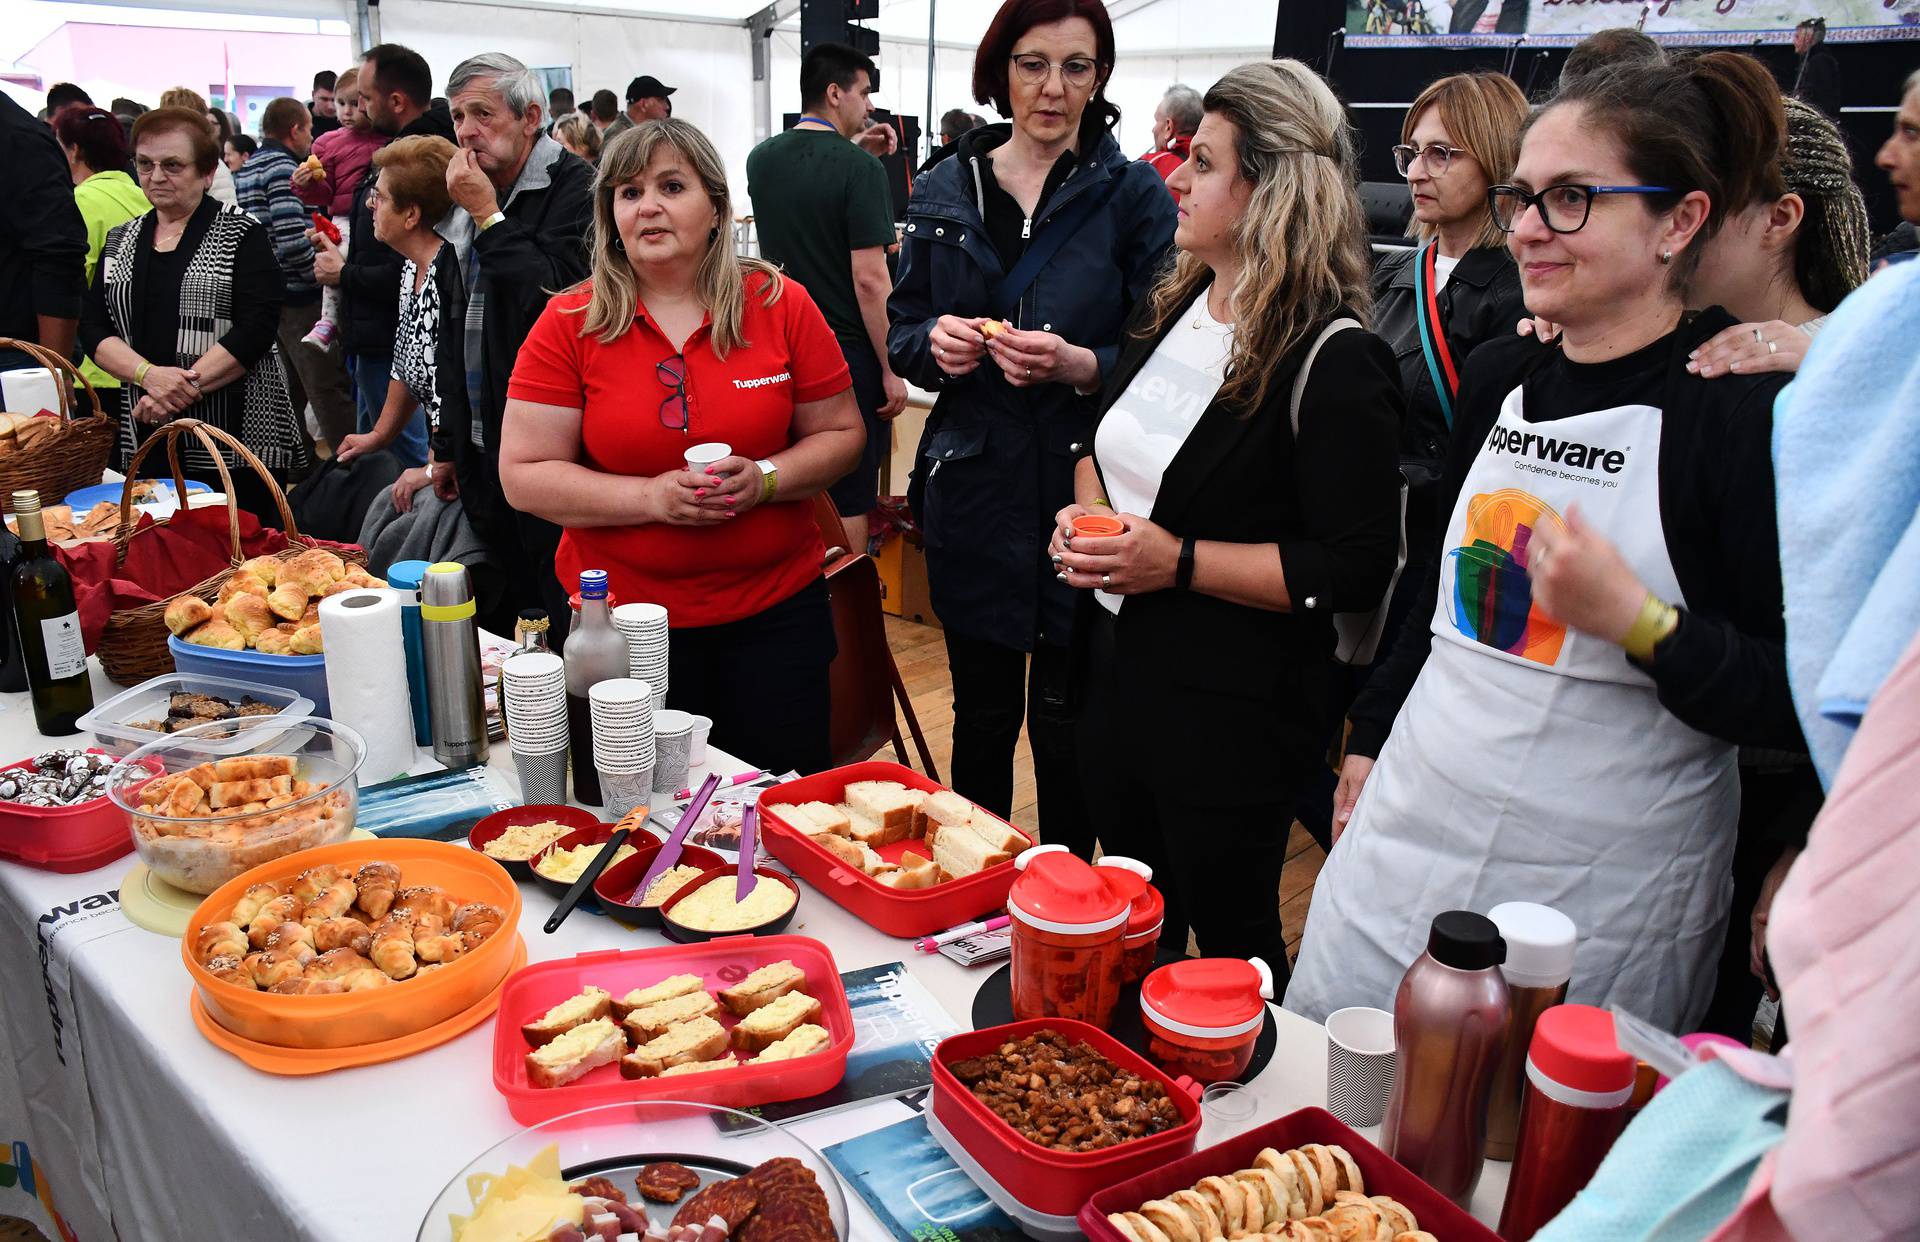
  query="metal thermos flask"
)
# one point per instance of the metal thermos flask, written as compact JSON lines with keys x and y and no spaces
{"x":450,"y":638}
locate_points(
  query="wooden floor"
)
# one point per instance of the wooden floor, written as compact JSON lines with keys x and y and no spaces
{"x":922,"y":658}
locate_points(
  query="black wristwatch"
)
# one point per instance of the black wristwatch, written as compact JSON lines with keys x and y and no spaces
{"x":1183,"y":575}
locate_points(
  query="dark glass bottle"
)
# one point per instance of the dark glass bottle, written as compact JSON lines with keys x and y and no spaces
{"x":49,"y":625}
{"x":13,"y":663}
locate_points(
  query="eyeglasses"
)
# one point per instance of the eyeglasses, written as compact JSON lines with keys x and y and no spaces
{"x":1437,"y":154}
{"x":1563,"y":208}
{"x":673,"y":411}
{"x":167,"y":168}
{"x":374,"y":197}
{"x":1077,"y":72}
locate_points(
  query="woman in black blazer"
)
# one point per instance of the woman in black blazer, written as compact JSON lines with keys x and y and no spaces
{"x":1207,"y":628}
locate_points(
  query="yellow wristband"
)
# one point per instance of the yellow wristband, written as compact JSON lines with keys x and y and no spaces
{"x":140,"y":373}
{"x":1104,"y":503}
{"x":1657,"y":619}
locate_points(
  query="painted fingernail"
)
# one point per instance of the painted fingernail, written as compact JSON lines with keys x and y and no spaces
{"x":1693,"y":353}
{"x":1693,"y":368}
{"x":699,"y":491}
{"x":1060,"y":577}
{"x":1056,"y":559}
{"x":711,"y":470}
{"x":731,"y":499}
{"x":732,"y":514}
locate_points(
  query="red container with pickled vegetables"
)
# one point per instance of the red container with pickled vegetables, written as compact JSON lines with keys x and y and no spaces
{"x":1204,"y":1015}
{"x":1145,"y":916}
{"x":1069,"y":919}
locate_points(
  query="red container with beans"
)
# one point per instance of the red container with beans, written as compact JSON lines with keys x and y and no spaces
{"x":1204,"y":1015}
{"x":1068,"y":921}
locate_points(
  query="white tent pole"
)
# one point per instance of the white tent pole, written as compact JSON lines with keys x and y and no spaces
{"x":930,"y":125}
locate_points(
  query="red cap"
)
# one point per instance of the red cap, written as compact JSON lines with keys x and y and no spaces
{"x":1131,"y":878}
{"x":1209,"y":997}
{"x":1575,"y":1046}
{"x":1059,"y":892}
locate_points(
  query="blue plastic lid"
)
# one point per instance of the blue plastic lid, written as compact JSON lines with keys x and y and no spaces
{"x":593,"y":584}
{"x":407,"y":575}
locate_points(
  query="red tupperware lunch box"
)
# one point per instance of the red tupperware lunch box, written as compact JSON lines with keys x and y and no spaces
{"x":910,"y":913}
{"x":66,"y":839}
{"x":720,"y":964}
{"x":1054,"y":1183}
{"x":1384,"y":1176}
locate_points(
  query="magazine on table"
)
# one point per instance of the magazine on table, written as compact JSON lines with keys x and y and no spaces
{"x":916,"y":1190}
{"x":896,"y":1025}
{"x":718,"y":827}
{"x":981,"y":948}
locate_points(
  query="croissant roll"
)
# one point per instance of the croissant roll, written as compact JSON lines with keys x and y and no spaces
{"x":286,"y":908}
{"x":330,"y":903}
{"x":336,"y":964}
{"x":343,"y":933}
{"x":219,"y":940}
{"x":289,"y":933}
{"x":282,"y":962}
{"x":425,"y":900}
{"x":251,"y":901}
{"x":300,"y":985}
{"x":439,"y":947}
{"x":361,"y":980}
{"x":393,"y":946}
{"x":377,"y":882}
{"x":229,"y":968}
{"x":475,"y":921}
{"x":315,"y":880}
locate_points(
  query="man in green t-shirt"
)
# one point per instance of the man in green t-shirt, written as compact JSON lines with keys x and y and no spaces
{"x":824,"y":213}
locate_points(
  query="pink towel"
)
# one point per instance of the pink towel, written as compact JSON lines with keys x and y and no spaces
{"x":1845,"y":941}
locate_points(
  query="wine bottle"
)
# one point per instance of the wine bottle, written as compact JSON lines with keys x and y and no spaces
{"x":13,"y":664}
{"x":49,"y":624}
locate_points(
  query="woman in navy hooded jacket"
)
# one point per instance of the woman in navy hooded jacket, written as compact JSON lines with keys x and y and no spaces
{"x":996,"y":461}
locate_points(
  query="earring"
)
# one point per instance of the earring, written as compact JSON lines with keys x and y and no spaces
{"x":712,"y":234}
{"x":619,"y":243}
{"x":1666,"y":258}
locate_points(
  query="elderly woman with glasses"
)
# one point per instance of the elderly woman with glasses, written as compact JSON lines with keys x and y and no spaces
{"x":1603,"y":610}
{"x":674,"y":344}
{"x":184,"y":309}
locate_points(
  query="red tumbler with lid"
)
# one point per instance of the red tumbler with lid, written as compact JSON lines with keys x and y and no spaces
{"x":1068,"y":919}
{"x":1578,"y":1085}
{"x":1144,"y":919}
{"x":1204,"y":1015}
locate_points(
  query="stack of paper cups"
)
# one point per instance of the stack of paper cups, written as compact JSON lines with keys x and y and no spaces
{"x":621,"y":709}
{"x":535,"y":685}
{"x":645,"y":626}
{"x":673,"y":738}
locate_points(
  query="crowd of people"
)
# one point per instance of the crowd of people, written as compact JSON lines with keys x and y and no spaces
{"x":1490,"y":520}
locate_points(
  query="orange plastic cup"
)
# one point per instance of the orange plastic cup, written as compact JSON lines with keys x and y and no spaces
{"x":377,"y":1015}
{"x":1097,"y":526}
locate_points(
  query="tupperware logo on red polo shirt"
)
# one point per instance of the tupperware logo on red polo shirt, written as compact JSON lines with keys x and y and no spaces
{"x":764,"y":380}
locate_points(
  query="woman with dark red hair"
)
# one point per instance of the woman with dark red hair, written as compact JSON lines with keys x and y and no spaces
{"x":96,"y":148}
{"x":1042,"y":232}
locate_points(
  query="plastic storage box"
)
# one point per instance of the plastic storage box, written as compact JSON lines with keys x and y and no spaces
{"x":1437,"y":1214}
{"x":1041,"y":1180}
{"x":111,"y":722}
{"x":720,"y":964}
{"x":63,"y":838}
{"x":912,"y":913}
{"x":305,"y":676}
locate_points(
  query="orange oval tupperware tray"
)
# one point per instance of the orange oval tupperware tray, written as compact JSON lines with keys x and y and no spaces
{"x":379,"y":1015}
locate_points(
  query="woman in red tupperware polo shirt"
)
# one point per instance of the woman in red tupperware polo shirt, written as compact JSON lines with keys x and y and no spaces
{"x":675,"y":341}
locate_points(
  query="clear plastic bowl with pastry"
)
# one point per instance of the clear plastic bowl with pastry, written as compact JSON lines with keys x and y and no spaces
{"x":357,"y":943}
{"x":202,"y":814}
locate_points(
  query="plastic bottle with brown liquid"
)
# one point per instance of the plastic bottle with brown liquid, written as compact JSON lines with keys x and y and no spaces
{"x":1540,"y":944}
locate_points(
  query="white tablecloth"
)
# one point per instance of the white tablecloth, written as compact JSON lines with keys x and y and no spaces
{"x":137,"y":1126}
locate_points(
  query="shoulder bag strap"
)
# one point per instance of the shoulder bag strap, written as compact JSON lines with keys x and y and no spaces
{"x":1306,"y":367}
{"x":1433,"y":335}
{"x":1005,"y":299}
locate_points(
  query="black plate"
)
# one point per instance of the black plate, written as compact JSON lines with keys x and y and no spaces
{"x":993,"y":1006}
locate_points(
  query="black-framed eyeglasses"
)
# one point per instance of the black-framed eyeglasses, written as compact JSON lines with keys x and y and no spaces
{"x":1076,"y":71}
{"x":1437,"y":154}
{"x":1563,"y":208}
{"x":673,"y":411}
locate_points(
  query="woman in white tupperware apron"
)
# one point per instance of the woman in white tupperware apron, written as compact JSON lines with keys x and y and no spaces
{"x":1605,"y":597}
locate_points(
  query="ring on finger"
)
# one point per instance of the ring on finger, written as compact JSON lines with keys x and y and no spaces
{"x":1106,"y":580}
{"x":1773,"y":347}
{"x":1758,"y":336}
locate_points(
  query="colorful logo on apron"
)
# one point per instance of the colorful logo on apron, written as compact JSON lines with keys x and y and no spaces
{"x":1492,"y":597}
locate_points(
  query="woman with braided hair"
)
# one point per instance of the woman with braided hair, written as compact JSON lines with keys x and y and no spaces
{"x":1782,"y":265}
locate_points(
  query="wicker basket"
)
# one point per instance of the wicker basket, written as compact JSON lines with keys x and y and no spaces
{"x":134,"y":646}
{"x":73,"y":456}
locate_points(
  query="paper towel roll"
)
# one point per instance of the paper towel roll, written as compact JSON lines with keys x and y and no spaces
{"x":367,"y":677}
{"x":29,"y":391}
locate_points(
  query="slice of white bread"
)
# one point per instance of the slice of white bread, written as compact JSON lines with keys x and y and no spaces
{"x":889,"y":804}
{"x":590,"y":1005}
{"x":792,"y":816}
{"x":665,"y":990}
{"x":998,"y":835}
{"x":946,"y":807}
{"x":856,"y":854}
{"x":803,"y":1041}
{"x":772,"y":1023}
{"x":826,"y":817}
{"x":651,"y":1021}
{"x":698,"y":1067}
{"x":963,"y":852}
{"x":575,"y":1053}
{"x":763,"y":987}
{"x":702,"y":1039}
{"x":868,"y":832}
{"x":915,"y":871}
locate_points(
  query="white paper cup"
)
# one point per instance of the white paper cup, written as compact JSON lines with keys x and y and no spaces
{"x":700,"y":456}
{"x":697,"y":756}
{"x":624,"y":793}
{"x":543,"y":778}
{"x":1359,"y":1064}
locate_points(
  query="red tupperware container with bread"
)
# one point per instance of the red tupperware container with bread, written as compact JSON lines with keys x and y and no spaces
{"x":897,"y":912}
{"x":1436,"y":1213}
{"x":721,"y":963}
{"x":1041,"y":1179}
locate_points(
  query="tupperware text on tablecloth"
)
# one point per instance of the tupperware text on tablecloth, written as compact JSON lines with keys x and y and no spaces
{"x":71,"y":913}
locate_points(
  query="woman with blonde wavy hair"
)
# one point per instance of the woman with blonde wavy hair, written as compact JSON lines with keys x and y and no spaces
{"x":1252,"y":506}
{"x":675,"y":342}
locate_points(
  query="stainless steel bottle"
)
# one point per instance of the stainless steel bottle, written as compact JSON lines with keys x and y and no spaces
{"x":1449,"y":1025}
{"x":450,"y":638}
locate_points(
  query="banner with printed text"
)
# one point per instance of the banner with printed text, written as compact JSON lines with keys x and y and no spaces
{"x":1373,"y":23}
